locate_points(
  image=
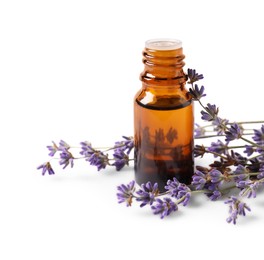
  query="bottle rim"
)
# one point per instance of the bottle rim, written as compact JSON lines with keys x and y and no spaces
{"x":163,"y":44}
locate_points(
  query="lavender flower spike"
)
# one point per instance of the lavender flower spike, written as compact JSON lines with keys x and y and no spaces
{"x":249,"y":150}
{"x":95,"y":157}
{"x":63,"y":145}
{"x":53,"y":149}
{"x":240,"y":173}
{"x":220,"y":125}
{"x":98,"y":159}
{"x":126,"y":145}
{"x":215,"y":176}
{"x":259,"y":136}
{"x":126,"y":193}
{"x":199,"y":150}
{"x":121,"y":159}
{"x":218,"y":147}
{"x":249,"y":187}
{"x":199,"y":180}
{"x":87,"y":149}
{"x":193,"y":76}
{"x":211,"y":113}
{"x":196,"y":92}
{"x":147,"y":193}
{"x":261,"y":174}
{"x":179,"y":190}
{"x":215,"y":194}
{"x":46,"y":167}
{"x":236,"y":208}
{"x":66,"y":159}
{"x":234,"y":132}
{"x":164,"y":207}
{"x":199,"y":131}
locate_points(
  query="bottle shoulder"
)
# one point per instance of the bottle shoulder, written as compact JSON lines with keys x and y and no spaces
{"x":170,"y":98}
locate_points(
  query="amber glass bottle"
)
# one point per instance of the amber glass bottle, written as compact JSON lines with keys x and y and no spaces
{"x":163,"y":117}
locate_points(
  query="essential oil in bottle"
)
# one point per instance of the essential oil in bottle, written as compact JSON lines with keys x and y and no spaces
{"x":163,"y":117}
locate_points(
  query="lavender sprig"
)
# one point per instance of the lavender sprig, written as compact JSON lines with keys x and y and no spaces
{"x":126,"y":193}
{"x":147,"y":193}
{"x":66,"y":158}
{"x":96,"y":157}
{"x":179,"y":190}
{"x":234,"y":132}
{"x":193,"y":76}
{"x":210,"y":112}
{"x":164,"y":207}
{"x":46,"y":167}
{"x":196,"y":92}
{"x":236,"y":208}
{"x":249,"y":187}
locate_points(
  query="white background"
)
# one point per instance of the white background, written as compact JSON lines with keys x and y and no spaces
{"x":69,"y":70}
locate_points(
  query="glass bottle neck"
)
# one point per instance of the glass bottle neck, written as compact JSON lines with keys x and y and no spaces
{"x":163,"y":67}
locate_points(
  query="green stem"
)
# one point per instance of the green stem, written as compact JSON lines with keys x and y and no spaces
{"x":248,"y":122}
{"x":210,"y":136}
{"x":231,"y":147}
{"x":252,"y":143}
{"x":216,"y":154}
{"x":240,"y":123}
{"x":254,"y":157}
{"x":249,"y":174}
{"x":199,"y":191}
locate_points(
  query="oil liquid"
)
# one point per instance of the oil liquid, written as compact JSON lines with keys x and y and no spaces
{"x":163,"y":143}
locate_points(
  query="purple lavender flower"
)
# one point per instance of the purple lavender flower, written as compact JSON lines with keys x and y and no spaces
{"x":220,"y":125}
{"x":126,"y":145}
{"x":121,"y":159}
{"x":53,"y":149}
{"x":215,"y":176}
{"x":199,"y":150}
{"x":249,"y":188}
{"x":86,"y":149}
{"x":210,"y":112}
{"x":234,"y":132}
{"x":46,"y":167}
{"x":238,"y":158}
{"x":98,"y":159}
{"x":215,"y":194}
{"x":259,"y":136}
{"x":249,"y":150}
{"x":218,"y":147}
{"x":63,"y":145}
{"x":199,"y":131}
{"x":199,"y":180}
{"x":196,"y":92}
{"x":236,"y":208}
{"x":260,"y":149}
{"x":193,"y":76}
{"x":179,"y":190}
{"x":164,"y":207}
{"x":126,"y":193}
{"x":261,"y":174}
{"x":240,"y":173}
{"x":254,"y":165}
{"x":66,"y":159}
{"x":147,"y":193}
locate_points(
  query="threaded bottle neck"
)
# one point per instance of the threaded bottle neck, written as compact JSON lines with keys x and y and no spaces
{"x":163,"y":60}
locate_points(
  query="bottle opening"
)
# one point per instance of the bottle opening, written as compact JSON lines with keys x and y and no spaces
{"x":163,"y":44}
